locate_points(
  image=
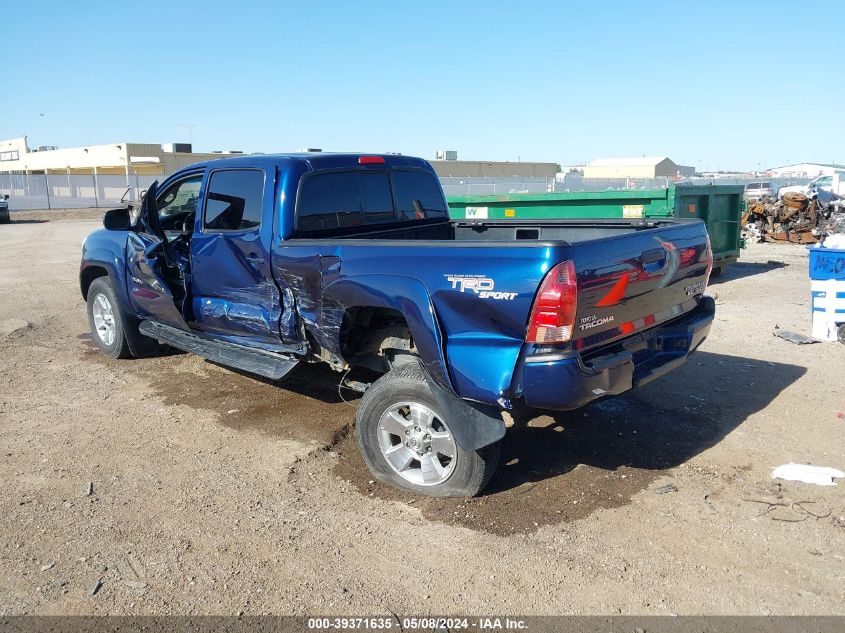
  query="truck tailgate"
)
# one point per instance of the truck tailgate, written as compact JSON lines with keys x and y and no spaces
{"x":638,"y":280}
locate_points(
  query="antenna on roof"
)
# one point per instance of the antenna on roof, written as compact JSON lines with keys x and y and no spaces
{"x":190,"y":127}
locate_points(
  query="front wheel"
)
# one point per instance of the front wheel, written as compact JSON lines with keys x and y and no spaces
{"x":407,"y":443}
{"x":105,"y":320}
{"x":840,"y":333}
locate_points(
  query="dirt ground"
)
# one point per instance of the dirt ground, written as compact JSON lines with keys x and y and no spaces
{"x":215,"y":492}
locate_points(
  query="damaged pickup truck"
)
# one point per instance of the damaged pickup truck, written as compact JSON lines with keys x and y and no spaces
{"x":263,"y":262}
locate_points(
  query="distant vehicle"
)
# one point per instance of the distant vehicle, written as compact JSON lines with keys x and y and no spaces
{"x":822,"y":183}
{"x":4,"y":208}
{"x":756,"y":190}
{"x":263,"y":262}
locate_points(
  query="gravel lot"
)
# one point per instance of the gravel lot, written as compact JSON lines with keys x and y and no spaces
{"x":215,"y":492}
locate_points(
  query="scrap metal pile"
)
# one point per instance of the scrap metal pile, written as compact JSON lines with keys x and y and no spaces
{"x":794,"y":218}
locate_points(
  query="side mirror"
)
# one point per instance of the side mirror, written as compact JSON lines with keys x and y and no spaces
{"x":117,"y":219}
{"x":5,"y":196}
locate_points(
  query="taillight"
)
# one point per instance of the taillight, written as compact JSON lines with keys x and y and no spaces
{"x":709,"y":262}
{"x":553,"y":314}
{"x":371,"y":160}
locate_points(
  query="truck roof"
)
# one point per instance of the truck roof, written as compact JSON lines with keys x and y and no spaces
{"x":314,"y":160}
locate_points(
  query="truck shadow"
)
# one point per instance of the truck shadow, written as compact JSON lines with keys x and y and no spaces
{"x":738,"y":270}
{"x":564,"y":466}
{"x":555,"y":467}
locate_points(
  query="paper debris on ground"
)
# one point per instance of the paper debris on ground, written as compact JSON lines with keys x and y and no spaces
{"x":795,"y":337}
{"x":819,"y":475}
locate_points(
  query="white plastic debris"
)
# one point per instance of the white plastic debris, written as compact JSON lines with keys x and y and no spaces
{"x":835,"y":241}
{"x":819,"y":475}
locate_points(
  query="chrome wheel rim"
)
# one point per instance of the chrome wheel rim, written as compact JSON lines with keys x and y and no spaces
{"x":103,"y":314}
{"x":417,"y":444}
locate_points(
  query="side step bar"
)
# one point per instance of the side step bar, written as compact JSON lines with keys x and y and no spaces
{"x":267,"y":364}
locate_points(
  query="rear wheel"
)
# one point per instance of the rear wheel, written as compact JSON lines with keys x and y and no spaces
{"x":407,"y":443}
{"x":105,"y":320}
{"x":840,"y":333}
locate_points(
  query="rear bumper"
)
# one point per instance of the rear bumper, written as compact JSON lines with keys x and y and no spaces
{"x":566,"y":381}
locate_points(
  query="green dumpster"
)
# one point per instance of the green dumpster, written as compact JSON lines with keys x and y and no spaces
{"x":718,"y":205}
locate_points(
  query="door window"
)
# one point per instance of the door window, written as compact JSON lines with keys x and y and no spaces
{"x":177,"y":206}
{"x":234,"y":200}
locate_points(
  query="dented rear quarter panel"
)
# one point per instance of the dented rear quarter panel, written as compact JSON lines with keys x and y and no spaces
{"x":468,"y":343}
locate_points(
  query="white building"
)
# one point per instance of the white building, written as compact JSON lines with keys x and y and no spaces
{"x":124,"y":158}
{"x":805,"y":170}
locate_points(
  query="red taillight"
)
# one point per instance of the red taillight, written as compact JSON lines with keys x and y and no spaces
{"x":687,"y":256}
{"x":709,"y":262}
{"x":371,"y":160}
{"x":553,"y":314}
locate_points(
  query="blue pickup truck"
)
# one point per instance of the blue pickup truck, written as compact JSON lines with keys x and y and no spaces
{"x":263,"y":262}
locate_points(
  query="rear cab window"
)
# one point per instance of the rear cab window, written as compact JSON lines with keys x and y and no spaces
{"x":348,"y":201}
{"x":418,"y":196}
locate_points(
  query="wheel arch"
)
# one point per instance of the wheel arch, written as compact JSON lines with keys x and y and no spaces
{"x":375,"y":336}
{"x":139,"y":345}
{"x":407,"y":297}
{"x":87,"y":276}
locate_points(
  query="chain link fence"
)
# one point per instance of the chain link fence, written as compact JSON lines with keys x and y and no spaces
{"x":478,"y":186}
{"x":475,"y":186}
{"x":71,"y":191}
{"x":576,"y":182}
{"x":57,"y":191}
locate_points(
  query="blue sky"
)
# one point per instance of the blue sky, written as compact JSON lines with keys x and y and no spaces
{"x":711,"y":84}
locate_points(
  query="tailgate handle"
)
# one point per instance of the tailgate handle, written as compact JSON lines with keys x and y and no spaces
{"x":653,"y":255}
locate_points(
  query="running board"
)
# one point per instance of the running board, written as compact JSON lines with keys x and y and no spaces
{"x":267,"y":364}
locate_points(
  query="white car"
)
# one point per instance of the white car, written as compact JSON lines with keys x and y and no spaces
{"x":822,"y":183}
{"x":756,"y":190}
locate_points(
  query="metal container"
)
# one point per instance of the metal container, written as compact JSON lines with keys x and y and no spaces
{"x":718,"y":205}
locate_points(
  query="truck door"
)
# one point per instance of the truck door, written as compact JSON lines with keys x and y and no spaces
{"x":234,"y":294}
{"x":156,"y":268}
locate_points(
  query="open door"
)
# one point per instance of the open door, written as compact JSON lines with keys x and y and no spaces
{"x":152,"y":267}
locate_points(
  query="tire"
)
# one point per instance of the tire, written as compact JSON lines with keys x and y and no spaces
{"x":840,"y":333}
{"x":399,"y":410}
{"x":105,"y":320}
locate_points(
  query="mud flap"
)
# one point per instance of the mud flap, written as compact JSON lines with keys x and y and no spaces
{"x":474,"y":425}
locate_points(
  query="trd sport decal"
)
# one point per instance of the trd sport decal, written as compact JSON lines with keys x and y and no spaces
{"x":484,"y":287}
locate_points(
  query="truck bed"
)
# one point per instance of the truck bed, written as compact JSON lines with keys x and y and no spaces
{"x":639,"y":272}
{"x":482,"y":279}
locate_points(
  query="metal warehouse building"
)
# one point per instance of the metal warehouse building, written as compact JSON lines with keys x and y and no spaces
{"x":495,"y":169}
{"x":641,"y":167}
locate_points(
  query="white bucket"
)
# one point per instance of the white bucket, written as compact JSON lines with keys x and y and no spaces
{"x":827,"y":301}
